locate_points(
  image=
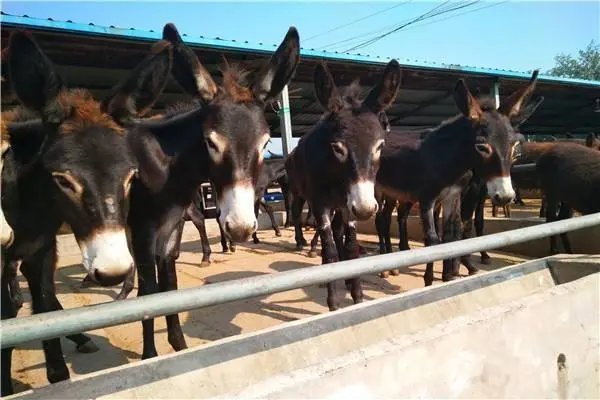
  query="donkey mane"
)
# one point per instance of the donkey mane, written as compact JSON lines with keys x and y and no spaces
{"x":235,"y":82}
{"x":353,"y":96}
{"x":84,"y":111}
{"x":16,"y":115}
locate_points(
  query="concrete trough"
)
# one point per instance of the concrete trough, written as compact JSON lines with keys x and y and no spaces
{"x":528,"y":330}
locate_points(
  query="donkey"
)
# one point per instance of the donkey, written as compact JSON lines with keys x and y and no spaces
{"x":68,"y":162}
{"x":333,"y":166}
{"x":570,"y":174}
{"x":481,"y":138}
{"x":220,"y":140}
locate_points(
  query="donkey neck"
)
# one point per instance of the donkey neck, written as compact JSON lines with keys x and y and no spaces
{"x":448,"y":150}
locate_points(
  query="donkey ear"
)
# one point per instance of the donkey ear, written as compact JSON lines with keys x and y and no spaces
{"x":34,"y":78}
{"x":271,"y":79}
{"x":135,"y":95}
{"x":466,"y":103}
{"x":187,"y":69}
{"x":384,"y":93}
{"x":527,"y":112}
{"x":325,"y":89}
{"x":513,"y":104}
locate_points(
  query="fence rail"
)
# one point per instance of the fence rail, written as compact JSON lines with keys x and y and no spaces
{"x":65,"y":322}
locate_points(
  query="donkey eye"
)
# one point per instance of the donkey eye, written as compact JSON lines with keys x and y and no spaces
{"x":68,"y":184}
{"x":212,"y":145}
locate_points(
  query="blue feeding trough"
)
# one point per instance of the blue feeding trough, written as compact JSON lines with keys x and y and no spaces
{"x":275,"y":196}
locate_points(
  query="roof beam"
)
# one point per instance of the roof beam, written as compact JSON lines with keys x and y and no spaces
{"x":420,"y":107}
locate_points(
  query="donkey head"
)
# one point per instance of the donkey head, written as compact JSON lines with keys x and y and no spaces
{"x":235,"y":129}
{"x":494,"y":136}
{"x":79,"y":149}
{"x":357,"y":133}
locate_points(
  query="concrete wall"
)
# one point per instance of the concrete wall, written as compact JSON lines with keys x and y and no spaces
{"x":497,"y":334}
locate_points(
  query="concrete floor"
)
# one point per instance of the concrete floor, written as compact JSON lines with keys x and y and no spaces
{"x":123,"y":344}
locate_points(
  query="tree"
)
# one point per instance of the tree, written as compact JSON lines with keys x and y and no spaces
{"x":585,"y":66}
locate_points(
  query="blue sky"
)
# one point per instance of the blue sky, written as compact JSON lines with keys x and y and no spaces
{"x":517,"y":35}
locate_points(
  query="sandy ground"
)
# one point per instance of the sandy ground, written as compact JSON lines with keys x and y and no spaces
{"x":123,"y":344}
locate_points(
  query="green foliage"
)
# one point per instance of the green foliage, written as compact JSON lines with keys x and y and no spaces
{"x":585,"y":66}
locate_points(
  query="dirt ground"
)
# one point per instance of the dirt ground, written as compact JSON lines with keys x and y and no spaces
{"x":123,"y":344}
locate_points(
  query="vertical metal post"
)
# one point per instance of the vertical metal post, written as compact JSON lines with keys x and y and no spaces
{"x":285,"y":121}
{"x":496,"y":93}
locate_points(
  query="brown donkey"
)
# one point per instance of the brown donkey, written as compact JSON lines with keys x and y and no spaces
{"x":220,"y":137}
{"x":570,"y":175}
{"x":334,"y":166}
{"x":481,"y":138}
{"x":68,"y":162}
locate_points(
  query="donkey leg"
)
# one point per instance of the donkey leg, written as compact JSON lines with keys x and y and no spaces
{"x":551,"y":203}
{"x":143,"y":240}
{"x":351,"y":250}
{"x":313,"y":245}
{"x":402,"y":217}
{"x":10,"y":274}
{"x":255,"y":239}
{"x":39,"y":272}
{"x":269,"y":210}
{"x":167,"y":255}
{"x":297,"y":204}
{"x":287,"y":201}
{"x":329,"y":252}
{"x":199,"y":221}
{"x":8,"y":310}
{"x":224,"y":241}
{"x":431,"y":236}
{"x":479,"y":223}
{"x":466,"y":260}
{"x":543,"y":207}
{"x":565,"y":212}
{"x":452,"y":230}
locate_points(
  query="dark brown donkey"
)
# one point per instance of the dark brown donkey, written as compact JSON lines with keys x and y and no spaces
{"x":334,"y":166}
{"x":68,"y":162}
{"x":570,"y":175}
{"x":220,"y":138}
{"x":481,"y":138}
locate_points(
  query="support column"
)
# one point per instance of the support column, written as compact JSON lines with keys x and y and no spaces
{"x":496,"y":93}
{"x":285,"y":121}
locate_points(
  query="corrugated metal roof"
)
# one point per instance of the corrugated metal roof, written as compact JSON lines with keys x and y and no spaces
{"x":27,"y":22}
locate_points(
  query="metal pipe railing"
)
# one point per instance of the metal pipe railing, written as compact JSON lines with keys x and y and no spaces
{"x":523,"y":168}
{"x":60,"y":323}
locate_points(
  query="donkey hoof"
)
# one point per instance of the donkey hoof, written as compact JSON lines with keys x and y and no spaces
{"x":333,"y":307}
{"x":448,"y":277}
{"x":150,"y":354}
{"x":204,"y":263}
{"x":486,"y":260}
{"x":278,"y":233}
{"x":226,"y":250}
{"x":87,"y":347}
{"x":57,"y":374}
{"x":255,"y":241}
{"x":312,"y":254}
{"x":299,"y":246}
{"x":473,"y":271}
{"x":232,"y":249}
{"x":395,"y":272}
{"x":428,"y":281}
{"x":384,"y":274}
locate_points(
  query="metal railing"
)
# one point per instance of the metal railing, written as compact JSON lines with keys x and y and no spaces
{"x":65,"y":322}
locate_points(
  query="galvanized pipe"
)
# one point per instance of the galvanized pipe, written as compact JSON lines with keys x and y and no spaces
{"x":61,"y":323}
{"x":523,"y":168}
